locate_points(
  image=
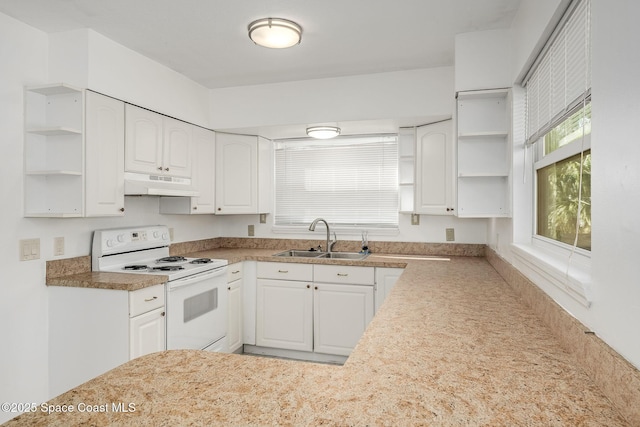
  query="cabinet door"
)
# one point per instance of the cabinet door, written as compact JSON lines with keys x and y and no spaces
{"x":235,"y":315}
{"x":386,"y":278}
{"x":434,"y":169}
{"x":203,"y":174}
{"x":104,"y":155}
{"x":236,"y":174}
{"x":284,"y":315}
{"x":341,"y":314}
{"x":176,"y":148}
{"x":147,"y":333}
{"x":143,"y":141}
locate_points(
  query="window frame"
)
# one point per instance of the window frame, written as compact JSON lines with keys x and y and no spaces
{"x":542,"y":160}
{"x":355,"y":229}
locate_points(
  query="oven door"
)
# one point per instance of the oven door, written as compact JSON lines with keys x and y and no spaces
{"x":197,"y":310}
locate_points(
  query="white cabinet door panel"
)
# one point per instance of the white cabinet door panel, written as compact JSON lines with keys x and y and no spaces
{"x":176,"y":148}
{"x":143,"y":140}
{"x":341,"y":315}
{"x":104,"y":155}
{"x":147,"y":333}
{"x":284,"y":315}
{"x":434,"y":169}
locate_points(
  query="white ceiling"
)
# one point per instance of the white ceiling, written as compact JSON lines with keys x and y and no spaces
{"x":207,"y":41}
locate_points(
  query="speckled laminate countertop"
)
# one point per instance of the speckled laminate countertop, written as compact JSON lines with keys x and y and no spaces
{"x":451,"y":346}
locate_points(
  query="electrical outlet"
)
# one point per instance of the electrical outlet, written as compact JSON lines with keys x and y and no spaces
{"x":415,"y":219}
{"x":252,"y":230}
{"x":58,"y":246}
{"x":29,"y":249}
{"x":451,"y":236}
{"x":263,"y":218}
{"x":171,"y":234}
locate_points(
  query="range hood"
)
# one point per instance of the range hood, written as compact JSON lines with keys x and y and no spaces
{"x":139,"y":184}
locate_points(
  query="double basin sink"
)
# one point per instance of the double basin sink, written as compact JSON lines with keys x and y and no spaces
{"x":299,"y":253}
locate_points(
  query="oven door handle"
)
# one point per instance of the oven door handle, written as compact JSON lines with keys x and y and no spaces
{"x":190,"y":280}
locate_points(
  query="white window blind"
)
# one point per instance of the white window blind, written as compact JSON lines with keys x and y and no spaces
{"x":560,"y":79}
{"x":348,"y":181}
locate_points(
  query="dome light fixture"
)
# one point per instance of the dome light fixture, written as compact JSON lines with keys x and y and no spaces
{"x":275,"y":33}
{"x":323,"y":132}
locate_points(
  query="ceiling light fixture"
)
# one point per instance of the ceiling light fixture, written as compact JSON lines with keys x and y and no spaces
{"x":323,"y":132}
{"x":275,"y":33}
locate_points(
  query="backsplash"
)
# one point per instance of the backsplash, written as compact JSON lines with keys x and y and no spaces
{"x":405,"y":248}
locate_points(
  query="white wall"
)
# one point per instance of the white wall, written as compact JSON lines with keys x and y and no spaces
{"x":616,"y":176}
{"x":395,"y":95}
{"x":23,"y":299}
{"x":483,"y":60}
{"x":23,"y":294}
{"x":615,"y":310}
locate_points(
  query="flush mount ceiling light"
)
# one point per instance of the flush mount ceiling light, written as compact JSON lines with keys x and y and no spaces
{"x":323,"y":132}
{"x":275,"y":33}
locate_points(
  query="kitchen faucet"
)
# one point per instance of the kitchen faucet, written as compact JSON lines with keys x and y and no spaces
{"x":330,"y":243}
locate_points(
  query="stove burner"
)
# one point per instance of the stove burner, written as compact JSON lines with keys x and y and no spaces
{"x":171,"y":259}
{"x":168,"y":268}
{"x":201,"y":261}
{"x":135,"y":267}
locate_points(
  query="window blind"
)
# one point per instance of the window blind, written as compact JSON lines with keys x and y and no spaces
{"x":560,"y":79}
{"x":348,"y":181}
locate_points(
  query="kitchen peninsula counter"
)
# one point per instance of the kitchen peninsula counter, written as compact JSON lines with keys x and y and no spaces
{"x":451,"y":345}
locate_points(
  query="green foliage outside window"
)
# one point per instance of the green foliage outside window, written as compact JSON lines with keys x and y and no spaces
{"x":561,"y":192}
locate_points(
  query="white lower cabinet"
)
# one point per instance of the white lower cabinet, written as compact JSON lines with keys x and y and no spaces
{"x":235,"y":327}
{"x":386,"y":278}
{"x":319,"y":308}
{"x":147,"y":333}
{"x":94,"y":330}
{"x":341,"y":313}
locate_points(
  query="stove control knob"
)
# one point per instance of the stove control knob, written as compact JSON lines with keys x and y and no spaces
{"x":165,"y":236}
{"x":156,"y":234}
{"x":110,"y":243}
{"x":120,"y":238}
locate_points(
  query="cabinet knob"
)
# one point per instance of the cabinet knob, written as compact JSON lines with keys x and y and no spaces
{"x":316,"y":288}
{"x":229,"y":288}
{"x":121,"y":209}
{"x":167,"y":169}
{"x":308,"y":286}
{"x":195,"y":208}
{"x":162,"y":314}
{"x":219,"y":209}
{"x":159,"y":168}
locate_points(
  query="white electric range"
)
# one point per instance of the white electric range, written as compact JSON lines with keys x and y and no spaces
{"x":196,"y":297}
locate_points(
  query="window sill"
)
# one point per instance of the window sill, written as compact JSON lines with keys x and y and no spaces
{"x":547,"y":266}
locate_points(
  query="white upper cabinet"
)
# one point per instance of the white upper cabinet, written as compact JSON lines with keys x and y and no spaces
{"x":104,"y":155}
{"x":203,"y":177}
{"x":484,"y":153}
{"x":434,"y":190}
{"x":243,"y":174}
{"x":157,"y":144}
{"x":74,"y":153}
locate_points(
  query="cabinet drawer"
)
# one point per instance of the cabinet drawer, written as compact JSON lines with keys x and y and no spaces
{"x":344,"y":274}
{"x":285,"y":271}
{"x":146,"y":299}
{"x":234,"y":272}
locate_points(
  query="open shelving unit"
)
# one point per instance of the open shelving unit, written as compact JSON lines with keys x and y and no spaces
{"x":406,"y":168}
{"x":54,"y":151}
{"x":484,"y":153}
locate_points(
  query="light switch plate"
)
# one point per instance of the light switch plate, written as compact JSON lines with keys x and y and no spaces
{"x":58,"y":246}
{"x":251,"y":230}
{"x":451,"y":236}
{"x":415,"y":219}
{"x":29,"y":249}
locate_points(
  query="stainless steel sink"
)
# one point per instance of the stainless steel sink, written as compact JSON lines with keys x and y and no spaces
{"x":345,"y":255}
{"x":300,"y":253}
